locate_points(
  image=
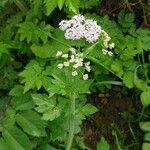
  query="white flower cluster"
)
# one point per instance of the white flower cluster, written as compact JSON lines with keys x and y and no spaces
{"x":74,"y":60}
{"x":78,"y":27}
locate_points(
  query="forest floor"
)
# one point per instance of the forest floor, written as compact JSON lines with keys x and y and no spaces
{"x":113,"y":120}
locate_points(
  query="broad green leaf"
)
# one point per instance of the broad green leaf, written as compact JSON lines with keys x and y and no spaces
{"x":128,"y":79}
{"x":50,"y":6}
{"x":145,"y":126}
{"x":44,"y":51}
{"x":103,"y":144}
{"x":141,"y":84}
{"x":16,"y":139}
{"x":145,"y":98}
{"x":146,"y":146}
{"x":3,"y":145}
{"x":22,"y":102}
{"x":47,"y":106}
{"x":30,"y":121}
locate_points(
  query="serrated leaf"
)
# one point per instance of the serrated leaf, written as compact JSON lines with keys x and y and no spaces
{"x":30,"y":121}
{"x":50,"y":6}
{"x":103,"y":144}
{"x":16,"y":139}
{"x":146,"y":146}
{"x":88,"y":109}
{"x":145,"y":126}
{"x":33,"y":69}
{"x":145,"y":98}
{"x":33,"y":32}
{"x":47,"y":106}
{"x":16,"y":91}
{"x":73,"y":5}
{"x":22,"y":102}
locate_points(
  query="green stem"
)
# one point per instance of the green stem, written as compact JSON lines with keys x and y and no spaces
{"x":71,"y":123}
{"x":110,"y":82}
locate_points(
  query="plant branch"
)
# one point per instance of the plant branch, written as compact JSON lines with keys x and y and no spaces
{"x":71,"y":123}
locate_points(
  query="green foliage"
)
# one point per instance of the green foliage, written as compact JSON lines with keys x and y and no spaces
{"x":48,"y":104}
{"x":33,"y":69}
{"x":103,"y":144}
{"x":34,"y":33}
{"x":31,"y":123}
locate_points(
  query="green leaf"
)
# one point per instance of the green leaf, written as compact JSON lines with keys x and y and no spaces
{"x":146,"y":146}
{"x":32,"y":32}
{"x":147,"y":136}
{"x":30,"y":121}
{"x":16,"y":91}
{"x":44,"y":51}
{"x":22,"y":102}
{"x":50,"y":6}
{"x":3,"y":145}
{"x":145,"y":126}
{"x":33,"y":69}
{"x":47,"y":106}
{"x":73,"y":5}
{"x":103,"y":144}
{"x":16,"y":139}
{"x":128,"y":79}
{"x":141,"y":84}
{"x":145,"y":98}
{"x":87,"y":110}
{"x":9,"y":120}
{"x":60,"y":3}
{"x":4,"y":47}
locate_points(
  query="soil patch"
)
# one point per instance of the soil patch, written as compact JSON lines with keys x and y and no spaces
{"x":111,"y":109}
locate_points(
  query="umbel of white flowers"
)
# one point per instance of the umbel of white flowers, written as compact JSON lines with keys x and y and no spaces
{"x":74,"y":60}
{"x":78,"y":27}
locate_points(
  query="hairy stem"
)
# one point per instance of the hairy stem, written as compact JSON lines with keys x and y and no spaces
{"x":71,"y":123}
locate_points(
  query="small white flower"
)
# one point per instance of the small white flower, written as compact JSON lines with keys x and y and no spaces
{"x":85,"y":76}
{"x":74,"y":73}
{"x":75,"y":66}
{"x":66,"y":63}
{"x":87,"y":63}
{"x":65,"y":24}
{"x":112,"y":45}
{"x":73,"y":50}
{"x":64,"y":56}
{"x":105,"y":51}
{"x":60,"y":66}
{"x":59,"y":53}
{"x":110,"y":53}
{"x":88,"y":68}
